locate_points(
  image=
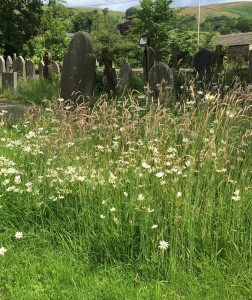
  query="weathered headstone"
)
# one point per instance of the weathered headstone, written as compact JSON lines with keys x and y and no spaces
{"x":55,"y":68}
{"x":47,"y":72}
{"x":19,"y":67}
{"x":41,"y":66}
{"x":2,"y":65}
{"x":149,"y":58}
{"x":78,"y":68}
{"x":219,"y":54}
{"x":125,"y":75}
{"x":9,"y":64}
{"x":9,"y":80}
{"x":161,"y":80}
{"x":203,"y":63}
{"x":109,"y":71}
{"x":30,"y":69}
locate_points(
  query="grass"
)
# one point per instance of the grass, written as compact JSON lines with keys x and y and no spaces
{"x":94,"y":190}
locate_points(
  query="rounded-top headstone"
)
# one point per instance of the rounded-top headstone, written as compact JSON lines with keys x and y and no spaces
{"x":19,"y":67}
{"x":160,"y":79}
{"x":78,"y":68}
{"x":9,"y":64}
{"x":203,"y":62}
{"x":2,"y":64}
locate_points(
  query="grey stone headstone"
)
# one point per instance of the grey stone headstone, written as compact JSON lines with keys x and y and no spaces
{"x":125,"y":75}
{"x":55,"y":68}
{"x":9,"y":64}
{"x":30,"y":69}
{"x":149,"y":58}
{"x":2,"y":65}
{"x":41,"y":66}
{"x":78,"y":68}
{"x":203,"y":63}
{"x":161,"y":80}
{"x":19,"y":67}
{"x":9,"y":81}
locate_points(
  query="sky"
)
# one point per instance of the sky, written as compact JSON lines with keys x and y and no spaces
{"x":122,"y":5}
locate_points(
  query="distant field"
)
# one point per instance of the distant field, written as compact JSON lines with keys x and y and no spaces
{"x":232,"y":10}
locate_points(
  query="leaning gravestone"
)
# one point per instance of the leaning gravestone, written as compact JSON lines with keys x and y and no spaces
{"x":30,"y":69}
{"x":2,"y":65}
{"x":19,"y":67}
{"x":9,"y":64}
{"x":78,"y":69}
{"x":9,"y":81}
{"x":203,"y":63}
{"x":41,"y":66}
{"x":125,"y":75}
{"x":161,"y":80}
{"x":55,"y":68}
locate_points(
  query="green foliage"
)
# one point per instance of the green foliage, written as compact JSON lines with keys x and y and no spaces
{"x":20,"y":21}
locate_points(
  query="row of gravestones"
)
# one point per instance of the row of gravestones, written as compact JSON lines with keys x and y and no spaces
{"x":18,"y":68}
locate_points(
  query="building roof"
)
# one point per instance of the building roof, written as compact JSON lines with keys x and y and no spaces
{"x":235,"y":39}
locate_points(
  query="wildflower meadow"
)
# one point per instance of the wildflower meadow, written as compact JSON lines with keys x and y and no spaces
{"x":127,"y":200}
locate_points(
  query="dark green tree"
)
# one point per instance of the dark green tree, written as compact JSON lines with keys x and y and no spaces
{"x":20,"y":21}
{"x":243,"y":24}
{"x":84,"y":21}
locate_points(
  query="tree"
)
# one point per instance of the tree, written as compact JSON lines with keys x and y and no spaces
{"x":84,"y":21}
{"x":20,"y":21}
{"x":243,"y":24}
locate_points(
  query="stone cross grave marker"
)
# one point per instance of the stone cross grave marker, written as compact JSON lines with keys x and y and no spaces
{"x":30,"y":69}
{"x":125,"y":76}
{"x":9,"y":64}
{"x":19,"y":67}
{"x":78,"y":69}
{"x":2,"y":65}
{"x":203,"y":63}
{"x":161,"y":80}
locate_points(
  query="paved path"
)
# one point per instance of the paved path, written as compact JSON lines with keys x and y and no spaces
{"x":16,"y":109}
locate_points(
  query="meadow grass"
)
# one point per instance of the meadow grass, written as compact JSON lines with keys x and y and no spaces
{"x":128,"y":201}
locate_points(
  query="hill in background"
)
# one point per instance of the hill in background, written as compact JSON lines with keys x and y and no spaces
{"x":231,"y":10}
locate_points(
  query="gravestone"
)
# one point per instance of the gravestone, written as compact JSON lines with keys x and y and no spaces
{"x":47,"y":71}
{"x":9,"y":64}
{"x":149,"y":58}
{"x":219,"y":54}
{"x":109,"y":71}
{"x":2,"y":65}
{"x":19,"y":67}
{"x":161,"y":80}
{"x":9,"y":80}
{"x":55,"y":68}
{"x":203,"y":63}
{"x":30,"y":69}
{"x":41,"y":66}
{"x":125,"y":75}
{"x":78,"y":69}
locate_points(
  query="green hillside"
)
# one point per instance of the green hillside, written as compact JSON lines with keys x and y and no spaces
{"x":77,"y":9}
{"x":232,"y":10}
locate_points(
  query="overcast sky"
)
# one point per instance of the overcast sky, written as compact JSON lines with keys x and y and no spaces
{"x":122,"y":5}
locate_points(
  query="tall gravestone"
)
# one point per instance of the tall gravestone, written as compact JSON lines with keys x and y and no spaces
{"x":109,"y":71}
{"x":2,"y":65}
{"x":161,"y":80}
{"x":149,"y":58}
{"x":125,"y":76}
{"x":30,"y":69}
{"x":47,"y":71}
{"x":41,"y":66}
{"x":78,"y":69}
{"x":250,"y":64}
{"x":19,"y":67}
{"x":203,"y":63}
{"x":9,"y":64}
